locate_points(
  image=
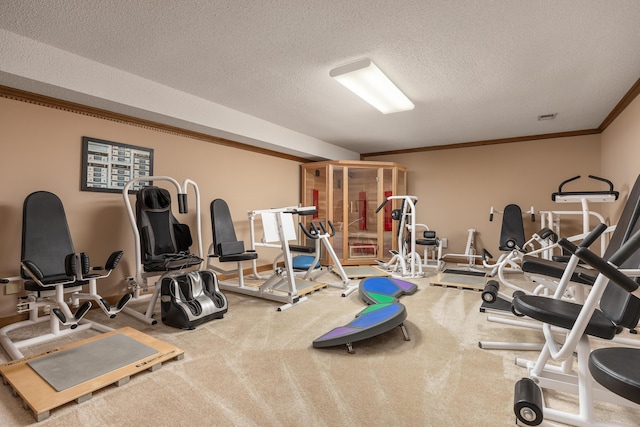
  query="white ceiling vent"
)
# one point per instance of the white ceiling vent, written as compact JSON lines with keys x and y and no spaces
{"x":547,"y":116}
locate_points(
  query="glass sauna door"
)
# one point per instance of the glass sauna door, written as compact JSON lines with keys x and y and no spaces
{"x":362,"y":219}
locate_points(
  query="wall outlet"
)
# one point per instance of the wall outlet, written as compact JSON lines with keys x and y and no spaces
{"x":445,"y":242}
{"x":12,"y":288}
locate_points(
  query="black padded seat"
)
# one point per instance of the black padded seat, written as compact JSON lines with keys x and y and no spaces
{"x":429,"y":238}
{"x":172,"y":263}
{"x":50,"y":283}
{"x":245,"y":256}
{"x":618,"y":370}
{"x":555,"y":269}
{"x":563,"y":314}
{"x":302,"y":249}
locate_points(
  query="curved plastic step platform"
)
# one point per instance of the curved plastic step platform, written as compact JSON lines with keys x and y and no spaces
{"x":374,"y":320}
{"x":376,"y":290}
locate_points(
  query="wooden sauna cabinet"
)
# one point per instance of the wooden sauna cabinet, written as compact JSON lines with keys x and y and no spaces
{"x":347,"y":193}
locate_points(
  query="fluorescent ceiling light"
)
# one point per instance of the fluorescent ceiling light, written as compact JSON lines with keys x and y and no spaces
{"x":367,"y":81}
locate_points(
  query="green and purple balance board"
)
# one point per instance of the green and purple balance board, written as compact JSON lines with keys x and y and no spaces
{"x":376,"y":290}
{"x":370,"y":322}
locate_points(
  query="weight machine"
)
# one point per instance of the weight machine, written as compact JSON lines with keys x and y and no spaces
{"x":552,"y":219}
{"x":470,"y":254}
{"x":405,"y":261}
{"x":278,"y":230}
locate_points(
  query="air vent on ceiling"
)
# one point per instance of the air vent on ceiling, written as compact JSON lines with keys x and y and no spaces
{"x":547,"y":116}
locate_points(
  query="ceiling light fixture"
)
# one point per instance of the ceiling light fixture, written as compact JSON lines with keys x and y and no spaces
{"x":367,"y":81}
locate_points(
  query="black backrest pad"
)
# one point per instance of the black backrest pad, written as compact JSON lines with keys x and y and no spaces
{"x":512,"y":226}
{"x":155,"y":222}
{"x":627,"y":223}
{"x":224,"y":235}
{"x":45,"y":233}
{"x":619,"y":305}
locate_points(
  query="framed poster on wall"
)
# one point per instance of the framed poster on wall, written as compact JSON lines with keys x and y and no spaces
{"x":107,"y":166}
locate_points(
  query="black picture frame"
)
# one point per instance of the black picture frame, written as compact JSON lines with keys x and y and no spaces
{"x":107,"y":166}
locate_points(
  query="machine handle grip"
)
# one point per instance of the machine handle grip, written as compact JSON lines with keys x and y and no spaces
{"x":625,"y":251}
{"x":566,"y":181}
{"x":567,"y":245}
{"x":333,"y":229}
{"x":381,"y":205}
{"x":183,"y":206}
{"x":603,"y":180}
{"x":609,"y":270}
{"x":310,"y":234}
{"x":593,"y":235}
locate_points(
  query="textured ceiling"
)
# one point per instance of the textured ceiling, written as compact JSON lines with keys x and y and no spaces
{"x":476,"y":70}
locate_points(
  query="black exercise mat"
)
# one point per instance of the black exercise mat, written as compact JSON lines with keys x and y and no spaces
{"x":500,"y":304}
{"x":464,"y":272}
{"x":76,"y":365}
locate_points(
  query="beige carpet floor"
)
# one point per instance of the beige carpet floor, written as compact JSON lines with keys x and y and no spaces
{"x":257,"y":367}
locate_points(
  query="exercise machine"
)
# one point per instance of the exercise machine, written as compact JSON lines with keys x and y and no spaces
{"x":320,"y":235}
{"x":470,"y":254}
{"x":610,"y":307}
{"x":53,"y":275}
{"x":405,"y":260}
{"x":225,"y":246}
{"x":565,"y":278}
{"x":552,"y":219}
{"x":162,"y":252}
{"x":512,"y":237}
{"x":282,"y":285}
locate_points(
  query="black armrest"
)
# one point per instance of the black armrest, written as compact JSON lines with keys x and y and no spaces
{"x":113,"y":260}
{"x":609,"y":268}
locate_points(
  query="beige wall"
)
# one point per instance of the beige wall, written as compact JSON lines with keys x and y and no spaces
{"x":42,"y":151}
{"x":456,"y":188}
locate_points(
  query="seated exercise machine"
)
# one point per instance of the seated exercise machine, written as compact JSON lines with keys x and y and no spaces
{"x":609,"y":308}
{"x":547,"y":273}
{"x":494,"y":299}
{"x":512,"y":237}
{"x":405,"y":261}
{"x":54,"y":275}
{"x":279,"y":230}
{"x":189,"y":296}
{"x":225,"y":246}
{"x":433,"y":245}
